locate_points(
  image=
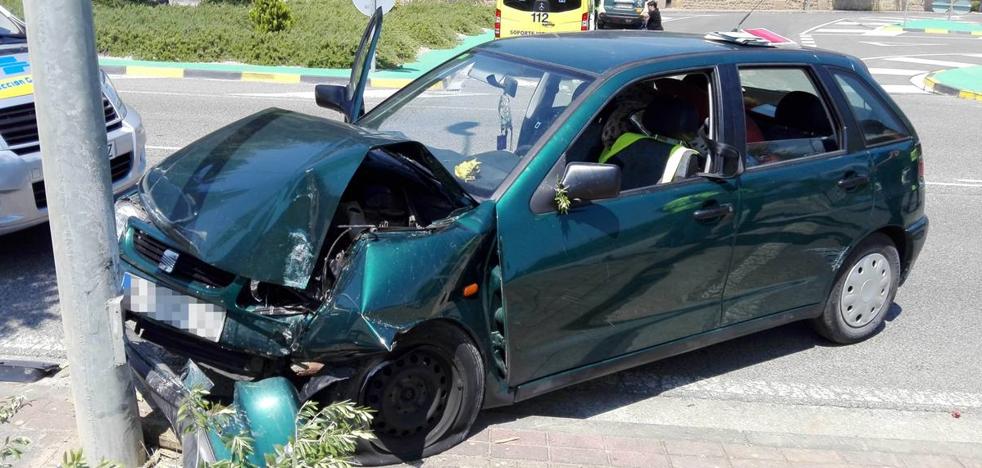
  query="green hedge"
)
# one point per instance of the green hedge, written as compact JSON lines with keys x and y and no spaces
{"x":324,"y":33}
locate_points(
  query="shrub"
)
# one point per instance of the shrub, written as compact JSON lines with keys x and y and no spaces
{"x":270,"y":15}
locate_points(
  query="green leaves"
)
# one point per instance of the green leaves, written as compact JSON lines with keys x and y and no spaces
{"x":321,"y":33}
{"x":12,"y":448}
{"x":324,"y":437}
{"x":270,"y":15}
{"x":562,"y":198}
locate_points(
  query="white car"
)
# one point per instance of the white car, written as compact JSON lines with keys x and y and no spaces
{"x":22,"y":198}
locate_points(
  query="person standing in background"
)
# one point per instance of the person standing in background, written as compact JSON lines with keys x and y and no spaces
{"x":653,"y":17}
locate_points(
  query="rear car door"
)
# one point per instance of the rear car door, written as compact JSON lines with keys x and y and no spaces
{"x":806,"y":195}
{"x":611,"y":276}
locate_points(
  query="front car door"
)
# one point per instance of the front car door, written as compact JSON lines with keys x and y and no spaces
{"x":806,"y":196}
{"x":612,"y":276}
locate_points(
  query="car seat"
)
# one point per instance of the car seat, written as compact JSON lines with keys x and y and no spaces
{"x":658,"y":155}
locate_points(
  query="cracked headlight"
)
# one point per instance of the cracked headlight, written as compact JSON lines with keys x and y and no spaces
{"x":126,"y":209}
{"x":109,"y":91}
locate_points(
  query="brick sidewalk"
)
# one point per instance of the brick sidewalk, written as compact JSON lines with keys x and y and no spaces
{"x":504,"y":440}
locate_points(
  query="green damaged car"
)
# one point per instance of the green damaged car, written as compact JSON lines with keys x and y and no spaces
{"x":528,"y":215}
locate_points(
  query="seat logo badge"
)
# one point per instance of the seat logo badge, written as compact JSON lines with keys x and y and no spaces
{"x":167,"y":261}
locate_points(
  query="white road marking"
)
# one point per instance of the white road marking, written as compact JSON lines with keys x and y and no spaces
{"x":813,"y":28}
{"x":884,"y":33}
{"x":898,"y":44}
{"x":903,"y":89}
{"x":895,"y":71}
{"x":164,"y":148}
{"x":833,"y":395}
{"x":940,"y":63}
{"x":842,"y":31}
{"x":306,"y":95}
{"x":976,"y":181}
{"x":954,"y":184}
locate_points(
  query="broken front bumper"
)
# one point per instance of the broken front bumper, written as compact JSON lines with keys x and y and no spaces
{"x":265,"y":410}
{"x":156,"y":378}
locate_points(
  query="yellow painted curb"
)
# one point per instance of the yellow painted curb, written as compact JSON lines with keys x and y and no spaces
{"x":936,"y":31}
{"x":391,"y":83}
{"x":977,"y":33}
{"x":271,"y":77}
{"x":891,"y":28}
{"x":159,"y":72}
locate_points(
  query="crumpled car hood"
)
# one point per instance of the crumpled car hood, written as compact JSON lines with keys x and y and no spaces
{"x":257,"y":197}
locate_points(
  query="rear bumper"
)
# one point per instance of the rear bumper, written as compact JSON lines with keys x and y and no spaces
{"x":629,"y":19}
{"x":916,"y":235}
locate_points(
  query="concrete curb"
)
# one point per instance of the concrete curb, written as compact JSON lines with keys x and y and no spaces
{"x":933,"y":31}
{"x":933,"y":85}
{"x":387,"y":79}
{"x":162,"y":70}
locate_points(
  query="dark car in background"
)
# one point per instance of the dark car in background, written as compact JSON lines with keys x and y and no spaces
{"x":531,"y":214}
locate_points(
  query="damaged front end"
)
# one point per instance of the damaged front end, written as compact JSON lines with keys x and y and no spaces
{"x":289,"y":248}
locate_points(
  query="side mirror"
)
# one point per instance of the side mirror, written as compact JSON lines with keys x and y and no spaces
{"x":591,"y":181}
{"x":727,"y":162}
{"x":334,"y":97}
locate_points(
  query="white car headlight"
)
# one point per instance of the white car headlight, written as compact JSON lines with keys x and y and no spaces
{"x":109,"y":91}
{"x":126,"y":209}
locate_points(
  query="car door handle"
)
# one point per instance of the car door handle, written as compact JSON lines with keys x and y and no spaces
{"x":713,"y":212}
{"x":849,"y":183}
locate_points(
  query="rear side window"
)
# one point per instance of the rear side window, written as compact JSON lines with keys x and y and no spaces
{"x":786,"y":116}
{"x":878,"y":123}
{"x":548,"y":6}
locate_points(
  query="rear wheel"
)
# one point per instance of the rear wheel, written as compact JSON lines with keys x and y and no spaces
{"x":863,"y":292}
{"x":426,"y":395}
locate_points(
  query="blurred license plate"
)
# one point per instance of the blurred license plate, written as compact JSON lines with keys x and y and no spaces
{"x":165,"y":305}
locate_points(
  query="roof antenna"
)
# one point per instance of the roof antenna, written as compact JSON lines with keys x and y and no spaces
{"x":737,"y":28}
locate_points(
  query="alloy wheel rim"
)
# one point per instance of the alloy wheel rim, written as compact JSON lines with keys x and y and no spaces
{"x":865,"y":290}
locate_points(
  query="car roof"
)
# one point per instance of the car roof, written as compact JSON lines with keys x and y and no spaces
{"x":597,"y":52}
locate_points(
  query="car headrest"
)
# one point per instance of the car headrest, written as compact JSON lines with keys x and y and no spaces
{"x":803,"y":111}
{"x":671,"y":117}
{"x":696,"y":80}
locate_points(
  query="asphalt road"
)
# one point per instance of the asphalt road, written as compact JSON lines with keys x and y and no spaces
{"x":926,"y":358}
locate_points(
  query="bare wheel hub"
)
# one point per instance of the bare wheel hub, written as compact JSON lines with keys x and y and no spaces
{"x":409,"y":394}
{"x":865,"y":290}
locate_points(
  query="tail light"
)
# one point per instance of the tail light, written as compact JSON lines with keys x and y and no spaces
{"x":585,"y":22}
{"x":497,"y":23}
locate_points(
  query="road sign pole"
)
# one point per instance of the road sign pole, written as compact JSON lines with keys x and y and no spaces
{"x":75,"y":162}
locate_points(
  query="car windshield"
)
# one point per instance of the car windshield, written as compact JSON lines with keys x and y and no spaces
{"x":479,"y":114}
{"x":10,"y":25}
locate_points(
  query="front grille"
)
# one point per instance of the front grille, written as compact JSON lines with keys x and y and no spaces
{"x":187,"y":267}
{"x":119,"y":168}
{"x":40,"y":199}
{"x":19,"y":126}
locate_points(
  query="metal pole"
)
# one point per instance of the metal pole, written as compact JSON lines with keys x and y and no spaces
{"x":951,"y":6}
{"x":906,"y":6}
{"x":75,"y":161}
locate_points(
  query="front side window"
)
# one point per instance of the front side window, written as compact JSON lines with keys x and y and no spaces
{"x":786,"y":117}
{"x":655,"y":130}
{"x":479,"y":114}
{"x":878,"y":123}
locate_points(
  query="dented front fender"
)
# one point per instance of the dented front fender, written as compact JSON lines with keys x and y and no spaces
{"x":396,"y":280}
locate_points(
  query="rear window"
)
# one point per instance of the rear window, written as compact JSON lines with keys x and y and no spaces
{"x":878,"y":123}
{"x":786,"y":116}
{"x":549,"y":6}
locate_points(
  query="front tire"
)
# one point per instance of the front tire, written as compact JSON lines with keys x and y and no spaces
{"x":426,"y":395}
{"x":863,"y":293}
